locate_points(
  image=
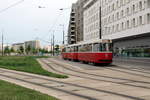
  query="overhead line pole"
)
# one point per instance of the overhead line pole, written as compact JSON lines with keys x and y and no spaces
{"x":53,"y":45}
{"x":100,"y":22}
{"x":2,"y":43}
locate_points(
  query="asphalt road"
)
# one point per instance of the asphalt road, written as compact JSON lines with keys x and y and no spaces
{"x":141,"y":63}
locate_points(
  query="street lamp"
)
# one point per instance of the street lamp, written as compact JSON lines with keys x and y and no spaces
{"x":63,"y":33}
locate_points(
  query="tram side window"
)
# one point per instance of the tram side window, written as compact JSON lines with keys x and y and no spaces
{"x":96,"y":47}
{"x":64,"y":50}
{"x":71,"y":49}
{"x":110,"y":46}
{"x":103,"y":47}
{"x":76,"y":49}
{"x":67,"y":49}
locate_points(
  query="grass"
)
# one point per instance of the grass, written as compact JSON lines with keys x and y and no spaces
{"x":26,"y":64}
{"x":10,"y":91}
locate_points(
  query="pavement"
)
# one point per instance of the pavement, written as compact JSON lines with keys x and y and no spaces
{"x":86,"y":82}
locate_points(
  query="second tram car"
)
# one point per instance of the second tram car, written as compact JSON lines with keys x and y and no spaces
{"x":96,"y":52}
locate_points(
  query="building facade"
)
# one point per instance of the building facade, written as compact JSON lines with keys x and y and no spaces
{"x":91,"y":21}
{"x":79,"y":20}
{"x":72,"y":26}
{"x":127,"y":23}
{"x":17,"y":46}
{"x":35,"y":44}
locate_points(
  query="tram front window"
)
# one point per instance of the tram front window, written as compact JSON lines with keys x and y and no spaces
{"x":102,"y":47}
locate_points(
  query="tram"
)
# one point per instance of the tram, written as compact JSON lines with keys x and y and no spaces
{"x":96,"y":52}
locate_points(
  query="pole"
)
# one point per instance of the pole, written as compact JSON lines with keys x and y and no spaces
{"x":53,"y":45}
{"x":100,"y":22}
{"x":2,"y":43}
{"x":63,"y":35}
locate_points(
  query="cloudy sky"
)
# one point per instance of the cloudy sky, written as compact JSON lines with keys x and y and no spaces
{"x":26,"y":21}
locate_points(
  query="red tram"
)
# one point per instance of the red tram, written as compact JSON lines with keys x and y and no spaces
{"x":96,"y":52}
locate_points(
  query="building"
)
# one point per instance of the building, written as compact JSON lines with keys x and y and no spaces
{"x":126,"y":22}
{"x":17,"y":46}
{"x":48,"y":48}
{"x":33,"y":44}
{"x":91,"y":20}
{"x":72,"y":26}
{"x":79,"y":20}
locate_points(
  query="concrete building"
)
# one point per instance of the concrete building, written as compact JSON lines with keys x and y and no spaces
{"x":79,"y":20}
{"x":91,"y":20}
{"x":17,"y":46}
{"x":33,"y":44}
{"x":72,"y":26}
{"x":126,"y":22}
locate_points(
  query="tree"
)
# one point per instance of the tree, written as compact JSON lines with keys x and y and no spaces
{"x":12,"y":50}
{"x":21,"y":49}
{"x":7,"y":50}
{"x":34,"y":51}
{"x":28,"y":49}
{"x":57,"y":49}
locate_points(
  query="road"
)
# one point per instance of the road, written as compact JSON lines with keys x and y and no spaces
{"x":142,"y":63}
{"x":86,"y":82}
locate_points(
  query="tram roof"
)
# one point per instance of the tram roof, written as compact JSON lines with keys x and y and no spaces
{"x":91,"y":42}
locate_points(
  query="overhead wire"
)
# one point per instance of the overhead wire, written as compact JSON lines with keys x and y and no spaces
{"x":11,"y":6}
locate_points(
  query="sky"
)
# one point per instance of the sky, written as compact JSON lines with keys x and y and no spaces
{"x":26,"y":21}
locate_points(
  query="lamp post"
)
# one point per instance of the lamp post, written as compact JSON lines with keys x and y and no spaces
{"x":63,"y":34}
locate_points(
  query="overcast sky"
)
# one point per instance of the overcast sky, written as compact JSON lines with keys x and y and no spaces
{"x":26,"y":21}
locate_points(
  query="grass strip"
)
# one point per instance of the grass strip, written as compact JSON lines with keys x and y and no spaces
{"x":26,"y":64}
{"x":10,"y":91}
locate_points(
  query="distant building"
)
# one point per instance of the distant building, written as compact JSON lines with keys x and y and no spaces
{"x":17,"y":46}
{"x":48,"y":48}
{"x":33,"y":44}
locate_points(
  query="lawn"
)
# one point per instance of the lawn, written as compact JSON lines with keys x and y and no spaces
{"x":26,"y":64}
{"x":10,"y":91}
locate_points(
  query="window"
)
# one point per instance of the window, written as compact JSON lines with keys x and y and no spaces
{"x":122,"y":25}
{"x":148,"y":18}
{"x":117,"y":15}
{"x":127,"y":11}
{"x":140,"y":5}
{"x":140,"y":20}
{"x":117,"y":29}
{"x":133,"y":22}
{"x":128,"y":25}
{"x":148,"y":3}
{"x":133,"y":7}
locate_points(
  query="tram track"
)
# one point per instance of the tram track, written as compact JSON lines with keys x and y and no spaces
{"x":85,"y":73}
{"x":127,"y":83}
{"x":66,"y":83}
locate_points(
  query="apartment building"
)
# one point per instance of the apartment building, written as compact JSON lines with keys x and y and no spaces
{"x":79,"y":20}
{"x":33,"y":44}
{"x":17,"y":46}
{"x":91,"y":20}
{"x":126,"y":22}
{"x":72,"y":26}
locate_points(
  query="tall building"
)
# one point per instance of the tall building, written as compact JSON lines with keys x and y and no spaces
{"x":79,"y":20}
{"x":126,"y":22}
{"x":91,"y":20}
{"x":72,"y":26}
{"x":33,"y":44}
{"x":75,"y":31}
